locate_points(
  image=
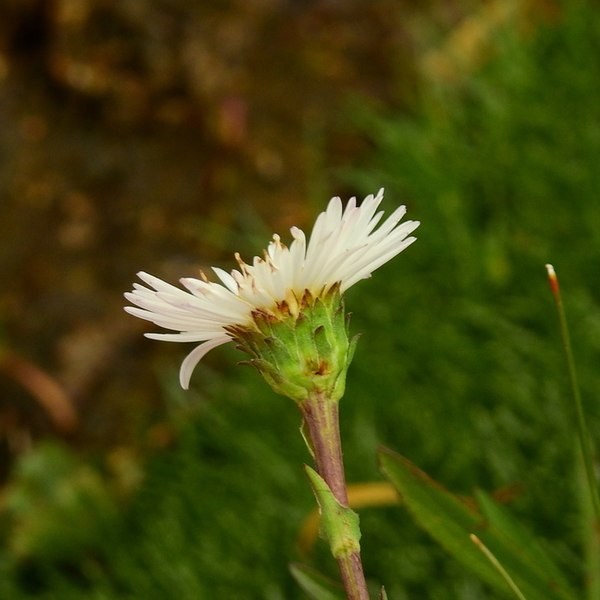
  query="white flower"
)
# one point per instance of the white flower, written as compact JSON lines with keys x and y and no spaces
{"x":344,"y":247}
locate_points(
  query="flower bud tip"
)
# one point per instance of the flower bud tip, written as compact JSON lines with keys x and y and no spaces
{"x":552,"y":279}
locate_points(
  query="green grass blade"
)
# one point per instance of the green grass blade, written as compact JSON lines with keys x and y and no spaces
{"x":591,"y":537}
{"x":450,"y":521}
{"x":582,"y":428}
{"x":516,"y":537}
{"x":496,"y":564}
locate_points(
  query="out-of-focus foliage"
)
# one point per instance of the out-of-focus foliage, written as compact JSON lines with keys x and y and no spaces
{"x":501,"y":168}
{"x":55,"y":507}
{"x":164,"y":544}
{"x":162,"y":135}
{"x":460,"y":365}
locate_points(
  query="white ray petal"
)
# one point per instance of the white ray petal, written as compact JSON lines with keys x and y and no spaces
{"x":346,"y":244}
{"x":194,"y":357}
{"x":184,"y":336}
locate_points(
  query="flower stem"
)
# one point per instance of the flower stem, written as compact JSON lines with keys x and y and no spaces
{"x":322,"y":429}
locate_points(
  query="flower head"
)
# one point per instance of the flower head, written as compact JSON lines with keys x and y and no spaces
{"x":344,"y":247}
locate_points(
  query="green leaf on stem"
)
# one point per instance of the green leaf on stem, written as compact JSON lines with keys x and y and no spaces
{"x":316,"y":585}
{"x":339,"y":524}
{"x":450,"y":521}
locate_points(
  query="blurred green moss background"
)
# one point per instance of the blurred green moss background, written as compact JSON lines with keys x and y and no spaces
{"x":164,"y":136}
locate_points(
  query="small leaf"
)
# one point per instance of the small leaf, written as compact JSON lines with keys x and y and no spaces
{"x":339,"y":524}
{"x":360,"y":495}
{"x":450,"y":522}
{"x":306,"y":437}
{"x":316,"y":585}
{"x":382,"y":594}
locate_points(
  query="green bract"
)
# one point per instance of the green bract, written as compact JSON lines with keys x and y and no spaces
{"x":302,"y":351}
